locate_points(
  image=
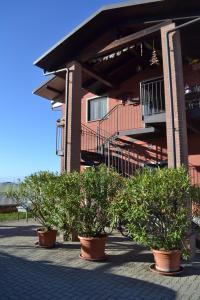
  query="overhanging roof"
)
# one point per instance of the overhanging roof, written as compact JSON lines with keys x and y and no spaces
{"x":109,"y":17}
{"x":52,"y":89}
{"x":103,"y":18}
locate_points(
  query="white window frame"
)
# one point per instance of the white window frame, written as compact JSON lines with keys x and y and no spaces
{"x":87,"y":106}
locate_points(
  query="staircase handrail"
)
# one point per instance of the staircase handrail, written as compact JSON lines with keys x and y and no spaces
{"x":109,"y":113}
{"x":88,"y":128}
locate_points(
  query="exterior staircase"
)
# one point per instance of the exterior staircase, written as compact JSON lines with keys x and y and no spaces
{"x":115,"y":142}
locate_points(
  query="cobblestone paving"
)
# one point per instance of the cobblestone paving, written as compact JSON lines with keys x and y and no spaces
{"x":28,"y":272}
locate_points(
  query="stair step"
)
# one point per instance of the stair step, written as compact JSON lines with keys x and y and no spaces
{"x":155,"y":118}
{"x":137,"y":132}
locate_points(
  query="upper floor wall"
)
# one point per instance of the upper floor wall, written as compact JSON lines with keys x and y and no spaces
{"x":130,"y":115}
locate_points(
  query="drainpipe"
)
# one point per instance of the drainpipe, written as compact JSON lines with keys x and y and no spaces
{"x":66,"y":107}
{"x":170,"y":83}
{"x":66,"y":116}
{"x":55,"y":72}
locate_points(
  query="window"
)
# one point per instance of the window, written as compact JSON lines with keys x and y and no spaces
{"x":97,"y":108}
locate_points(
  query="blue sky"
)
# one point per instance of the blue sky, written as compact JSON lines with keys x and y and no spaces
{"x":27,"y":124}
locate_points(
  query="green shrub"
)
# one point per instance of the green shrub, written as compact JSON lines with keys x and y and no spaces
{"x":38,"y":191}
{"x":155,"y":204}
{"x":68,"y":192}
{"x":98,"y":188}
{"x":195,"y":195}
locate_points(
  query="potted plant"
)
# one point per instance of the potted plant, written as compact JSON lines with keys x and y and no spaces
{"x":98,"y":187}
{"x":196,"y":201}
{"x":68,"y":193}
{"x":39,"y":190}
{"x":196,"y":213}
{"x":155,"y":205}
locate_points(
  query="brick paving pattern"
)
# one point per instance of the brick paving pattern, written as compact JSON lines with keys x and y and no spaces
{"x":28,"y":272}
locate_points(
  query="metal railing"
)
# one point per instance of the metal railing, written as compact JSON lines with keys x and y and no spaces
{"x":124,"y":158}
{"x":90,"y":140}
{"x":127,"y":162}
{"x":121,"y":117}
{"x":124,"y":161}
{"x":113,"y":153}
{"x":152,"y":96}
{"x":60,"y":124}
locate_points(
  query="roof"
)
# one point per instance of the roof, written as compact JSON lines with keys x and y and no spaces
{"x":110,"y":16}
{"x":105,"y":26}
{"x":52,"y":89}
{"x":101,"y":19}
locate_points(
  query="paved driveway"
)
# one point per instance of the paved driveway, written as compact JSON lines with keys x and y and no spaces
{"x":28,"y":272}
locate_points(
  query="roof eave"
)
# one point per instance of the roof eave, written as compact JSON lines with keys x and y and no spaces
{"x":98,"y":12}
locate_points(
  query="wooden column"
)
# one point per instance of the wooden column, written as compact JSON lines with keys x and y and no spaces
{"x":72,"y":149}
{"x":180,"y":125}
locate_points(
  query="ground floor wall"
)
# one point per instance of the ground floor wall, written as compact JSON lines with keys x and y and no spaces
{"x":151,"y":152}
{"x":154,"y":150}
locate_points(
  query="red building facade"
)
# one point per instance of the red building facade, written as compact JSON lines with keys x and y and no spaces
{"x":130,"y":95}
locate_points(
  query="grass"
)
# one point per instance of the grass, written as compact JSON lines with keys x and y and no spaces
{"x":13,"y":216}
{"x":6,"y":187}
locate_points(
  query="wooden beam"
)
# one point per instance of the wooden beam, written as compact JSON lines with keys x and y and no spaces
{"x":158,"y":19}
{"x":110,"y":71}
{"x":50,"y":88}
{"x":96,"y":75}
{"x":117,"y":44}
{"x":126,"y":70}
{"x":100,"y":41}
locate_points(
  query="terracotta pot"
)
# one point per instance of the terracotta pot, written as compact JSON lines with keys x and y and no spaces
{"x":167,"y":261}
{"x":195,"y":208}
{"x":47,"y":238}
{"x":93,"y":248}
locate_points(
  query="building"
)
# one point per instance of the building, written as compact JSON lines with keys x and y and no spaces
{"x":128,"y":79}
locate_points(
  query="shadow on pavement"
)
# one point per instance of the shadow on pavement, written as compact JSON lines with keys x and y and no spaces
{"x":23,"y":279}
{"x":11,"y":231}
{"x":134,"y":252}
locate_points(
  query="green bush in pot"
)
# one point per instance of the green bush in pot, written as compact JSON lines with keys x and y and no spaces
{"x":39,"y":192}
{"x":195,"y":195}
{"x":196,"y":213}
{"x":98,"y":188}
{"x":155,"y":204}
{"x":68,"y":192}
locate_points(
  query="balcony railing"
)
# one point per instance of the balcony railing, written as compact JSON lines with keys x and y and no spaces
{"x":59,"y":137}
{"x":152,"y":96}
